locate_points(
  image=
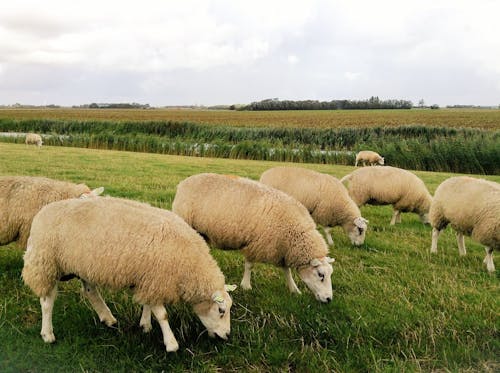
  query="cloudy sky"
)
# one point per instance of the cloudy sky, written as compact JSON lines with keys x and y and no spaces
{"x":186,"y":52}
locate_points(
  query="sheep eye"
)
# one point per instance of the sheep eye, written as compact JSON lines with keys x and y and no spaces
{"x":321,"y":276}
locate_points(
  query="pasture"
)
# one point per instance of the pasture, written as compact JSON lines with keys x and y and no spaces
{"x":396,"y":307}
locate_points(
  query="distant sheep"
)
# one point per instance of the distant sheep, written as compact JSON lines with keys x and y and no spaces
{"x":121,"y":244}
{"x":33,"y":139}
{"x":324,"y":196}
{"x":21,"y":197}
{"x":390,"y":186}
{"x":370,"y":157}
{"x":267,"y":225}
{"x":472,"y":207}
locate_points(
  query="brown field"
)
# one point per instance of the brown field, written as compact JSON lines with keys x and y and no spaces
{"x":476,"y":118}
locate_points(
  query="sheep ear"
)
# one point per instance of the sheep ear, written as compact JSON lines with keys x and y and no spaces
{"x":360,"y":222}
{"x":315,"y":262}
{"x":330,"y":260}
{"x":97,"y":191}
{"x":230,"y":288}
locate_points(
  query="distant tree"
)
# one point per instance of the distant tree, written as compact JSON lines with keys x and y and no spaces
{"x":421,"y":103}
{"x":435,"y":106}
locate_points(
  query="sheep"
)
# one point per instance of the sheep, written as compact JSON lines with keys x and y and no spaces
{"x":390,"y":186}
{"x":120,"y":244}
{"x":267,"y":225}
{"x":33,"y":139}
{"x":472,"y":207}
{"x":21,"y":197}
{"x":324,"y":196}
{"x":370,"y":157}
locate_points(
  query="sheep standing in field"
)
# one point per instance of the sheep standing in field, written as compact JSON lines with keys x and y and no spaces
{"x":367,"y":156}
{"x":267,"y":225}
{"x":390,"y":186}
{"x":324,"y":196}
{"x":33,"y":139}
{"x":122,"y":244}
{"x":472,"y":207}
{"x":21,"y":197}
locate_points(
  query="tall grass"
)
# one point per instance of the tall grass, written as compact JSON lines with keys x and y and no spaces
{"x":412,"y":147}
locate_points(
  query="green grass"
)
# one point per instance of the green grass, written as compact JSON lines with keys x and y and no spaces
{"x":395,"y":307}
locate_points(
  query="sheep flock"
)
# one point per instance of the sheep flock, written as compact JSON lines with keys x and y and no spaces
{"x":68,"y":231}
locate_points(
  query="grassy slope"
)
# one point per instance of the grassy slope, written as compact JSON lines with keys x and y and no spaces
{"x":395,"y":306}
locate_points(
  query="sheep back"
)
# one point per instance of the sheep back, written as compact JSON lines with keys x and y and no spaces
{"x":21,"y":197}
{"x":119,"y":244}
{"x":324,"y":196}
{"x":471,"y":206}
{"x":237,"y":213}
{"x":33,"y":139}
{"x":385,"y":185}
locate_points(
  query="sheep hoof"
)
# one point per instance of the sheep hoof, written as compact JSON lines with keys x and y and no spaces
{"x":48,"y":337}
{"x":109,"y":321}
{"x":146,"y":328}
{"x":172,"y":346}
{"x":295,"y":291}
{"x":246,"y":286}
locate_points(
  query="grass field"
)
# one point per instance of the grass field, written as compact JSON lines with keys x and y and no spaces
{"x":395,"y":307}
{"x":457,"y":118}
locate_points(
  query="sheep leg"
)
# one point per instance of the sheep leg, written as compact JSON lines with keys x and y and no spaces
{"x":292,"y":286}
{"x":461,"y":243}
{"x":145,"y":322}
{"x":395,"y":217}
{"x":245,"y":282}
{"x":47,"y":304}
{"x":328,"y":235}
{"x":168,"y":336}
{"x":488,"y":259}
{"x":435,"y":236}
{"x":95,"y":299}
{"x":398,"y":218}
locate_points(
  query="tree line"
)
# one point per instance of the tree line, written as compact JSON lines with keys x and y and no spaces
{"x":372,"y":103}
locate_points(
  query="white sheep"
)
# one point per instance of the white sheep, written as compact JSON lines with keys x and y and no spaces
{"x":267,"y":225}
{"x":116,"y":243}
{"x":324,"y":196}
{"x":390,"y":186}
{"x":472,"y":207}
{"x":21,"y":197}
{"x":33,"y":139}
{"x":370,"y":157}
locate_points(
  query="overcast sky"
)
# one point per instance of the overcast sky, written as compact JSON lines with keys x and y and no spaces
{"x":189,"y":52}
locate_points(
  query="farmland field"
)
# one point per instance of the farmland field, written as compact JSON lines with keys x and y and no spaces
{"x":396,"y":307}
{"x":455,"y":118}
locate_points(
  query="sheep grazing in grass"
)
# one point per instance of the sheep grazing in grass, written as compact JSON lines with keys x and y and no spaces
{"x":324,"y":196}
{"x":370,"y":157}
{"x":390,"y":186}
{"x":121,"y":244}
{"x":21,"y":197}
{"x":472,"y":207}
{"x":33,"y":139}
{"x":267,"y":225}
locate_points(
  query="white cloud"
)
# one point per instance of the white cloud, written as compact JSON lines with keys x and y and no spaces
{"x":388,"y":47}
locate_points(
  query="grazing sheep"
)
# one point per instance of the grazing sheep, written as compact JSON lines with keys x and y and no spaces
{"x":21,"y":197}
{"x":121,"y":244}
{"x":367,"y":156}
{"x":267,"y":225}
{"x":472,"y":207}
{"x":390,"y":186}
{"x":324,"y":196}
{"x":33,"y":139}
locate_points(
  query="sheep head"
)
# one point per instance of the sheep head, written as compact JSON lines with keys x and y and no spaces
{"x":356,"y":230}
{"x":215,"y":313}
{"x":317,"y":276}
